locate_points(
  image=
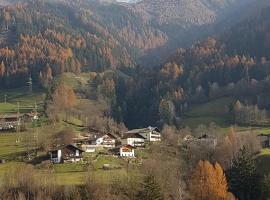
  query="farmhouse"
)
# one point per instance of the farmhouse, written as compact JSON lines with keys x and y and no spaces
{"x":202,"y":141}
{"x":104,"y":140}
{"x":207,"y":140}
{"x":151,"y":134}
{"x":133,"y":139}
{"x":66,"y":153}
{"x":127,"y":151}
{"x":91,"y":143}
{"x":10,"y":121}
{"x":264,"y":140}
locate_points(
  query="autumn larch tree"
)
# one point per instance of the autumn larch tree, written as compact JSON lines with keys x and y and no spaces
{"x":208,"y":182}
{"x":64,"y":97}
{"x":2,"y":69}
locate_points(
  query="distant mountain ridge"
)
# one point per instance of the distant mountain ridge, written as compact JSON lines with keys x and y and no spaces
{"x":183,"y":12}
{"x":128,"y":1}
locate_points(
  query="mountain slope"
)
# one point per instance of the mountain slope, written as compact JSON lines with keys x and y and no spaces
{"x":234,"y":65}
{"x":183,"y":12}
{"x":252,"y":35}
{"x":43,"y":39}
{"x":186,"y":21}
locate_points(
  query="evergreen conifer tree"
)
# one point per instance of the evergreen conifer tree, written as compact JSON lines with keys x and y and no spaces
{"x":150,"y":190}
{"x":242,"y":176}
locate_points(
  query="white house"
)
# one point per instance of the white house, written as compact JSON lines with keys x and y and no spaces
{"x":104,"y":140}
{"x":66,"y":153}
{"x":133,"y":139}
{"x":151,"y":134}
{"x":127,"y":151}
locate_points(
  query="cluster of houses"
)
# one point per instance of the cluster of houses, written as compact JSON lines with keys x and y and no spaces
{"x":94,"y":140}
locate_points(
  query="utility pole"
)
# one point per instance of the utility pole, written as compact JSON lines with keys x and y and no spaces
{"x":35,"y":127}
{"x":247,"y":73}
{"x":86,"y":121}
{"x":18,"y":129}
{"x":35,"y":108}
{"x":30,"y":83}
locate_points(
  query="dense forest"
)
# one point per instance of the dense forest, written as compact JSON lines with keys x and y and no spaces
{"x":233,"y":64}
{"x":46,"y":38}
{"x":41,"y":37}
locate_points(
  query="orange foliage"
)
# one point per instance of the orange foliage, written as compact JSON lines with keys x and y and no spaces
{"x":64,"y":97}
{"x":208,"y":182}
{"x":172,"y":71}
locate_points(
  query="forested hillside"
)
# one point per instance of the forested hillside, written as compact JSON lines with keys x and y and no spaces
{"x":251,"y":36}
{"x":187,"y":21}
{"x":234,"y":65}
{"x":45,"y":38}
{"x":183,"y":12}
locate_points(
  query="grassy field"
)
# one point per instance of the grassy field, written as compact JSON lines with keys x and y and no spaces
{"x":265,"y":131}
{"x":9,"y":149}
{"x":206,"y":113}
{"x":8,"y":145}
{"x":22,"y":96}
{"x":76,"y":173}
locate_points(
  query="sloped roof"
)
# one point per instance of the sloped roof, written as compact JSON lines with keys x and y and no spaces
{"x":143,"y":130}
{"x":96,"y":133}
{"x":69,"y":146}
{"x":13,"y":115}
{"x":127,"y":145}
{"x":103,"y":134}
{"x":132,"y":135}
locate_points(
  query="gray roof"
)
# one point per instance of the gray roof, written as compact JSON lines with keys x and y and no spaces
{"x":132,"y":135}
{"x":143,"y":130}
{"x":68,"y":146}
{"x":13,"y":115}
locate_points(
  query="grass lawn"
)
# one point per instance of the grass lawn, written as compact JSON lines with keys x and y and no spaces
{"x":76,"y":173}
{"x":70,"y":178}
{"x":113,"y":161}
{"x":69,"y":167}
{"x":5,"y":167}
{"x":265,"y":131}
{"x":78,"y":178}
{"x":7,"y":145}
{"x":206,"y":113}
{"x":22,"y":96}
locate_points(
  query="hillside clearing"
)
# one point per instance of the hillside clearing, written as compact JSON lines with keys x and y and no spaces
{"x":213,"y":111}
